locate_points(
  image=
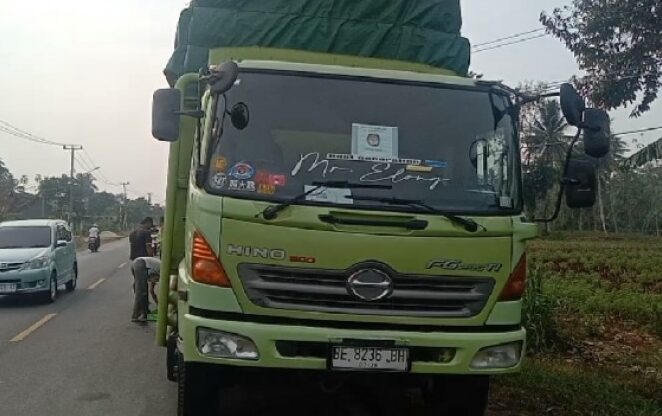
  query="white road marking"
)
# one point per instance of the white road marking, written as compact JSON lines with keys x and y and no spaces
{"x":121,"y":265}
{"x":98,"y":282}
{"x":20,"y":337}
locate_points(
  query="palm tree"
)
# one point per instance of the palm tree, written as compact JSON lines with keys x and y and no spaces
{"x":544,"y":137}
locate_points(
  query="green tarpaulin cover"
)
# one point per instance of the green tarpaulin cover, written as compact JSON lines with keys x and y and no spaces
{"x":422,"y":31}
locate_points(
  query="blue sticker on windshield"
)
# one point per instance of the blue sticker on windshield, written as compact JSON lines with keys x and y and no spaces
{"x":242,"y":171}
{"x":436,"y":164}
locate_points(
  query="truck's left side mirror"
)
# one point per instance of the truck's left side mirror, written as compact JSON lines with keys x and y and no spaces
{"x":596,"y":132}
{"x":166,"y":110}
{"x":580,"y":184}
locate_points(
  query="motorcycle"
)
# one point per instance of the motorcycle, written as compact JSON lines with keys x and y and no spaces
{"x":93,"y":244}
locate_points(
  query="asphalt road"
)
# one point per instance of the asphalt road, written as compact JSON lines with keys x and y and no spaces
{"x":86,"y":358}
{"x":82,"y":356}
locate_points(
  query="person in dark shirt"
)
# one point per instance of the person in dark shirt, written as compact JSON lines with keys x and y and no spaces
{"x":140,"y":240}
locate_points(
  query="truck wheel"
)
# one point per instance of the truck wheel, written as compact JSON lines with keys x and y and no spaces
{"x":458,"y":395}
{"x":197,"y":393}
{"x":172,"y":357}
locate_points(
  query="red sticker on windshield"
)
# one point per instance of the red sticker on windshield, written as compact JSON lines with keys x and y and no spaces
{"x":263,"y":177}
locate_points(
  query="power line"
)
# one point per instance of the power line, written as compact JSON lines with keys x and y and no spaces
{"x":625,"y":133}
{"x":22,"y":134}
{"x":516,"y":35}
{"x":509,"y":43}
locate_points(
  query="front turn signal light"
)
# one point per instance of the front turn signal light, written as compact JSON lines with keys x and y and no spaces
{"x":206,"y":268}
{"x":516,"y":284}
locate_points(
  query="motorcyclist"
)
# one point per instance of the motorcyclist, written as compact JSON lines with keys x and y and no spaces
{"x":93,"y":233}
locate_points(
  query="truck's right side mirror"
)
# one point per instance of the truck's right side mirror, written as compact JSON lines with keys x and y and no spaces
{"x":580,"y":184}
{"x":166,"y":113}
{"x":596,"y":132}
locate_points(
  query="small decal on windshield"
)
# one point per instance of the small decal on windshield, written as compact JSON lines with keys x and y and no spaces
{"x":267,"y":178}
{"x":244,"y":186}
{"x":374,"y":159}
{"x":421,"y":169}
{"x":219,"y":180}
{"x":505,"y":202}
{"x":266,"y":189}
{"x":330,"y":195}
{"x":376,"y":141}
{"x":242,"y":171}
{"x":440,"y":164}
{"x":221,"y":164}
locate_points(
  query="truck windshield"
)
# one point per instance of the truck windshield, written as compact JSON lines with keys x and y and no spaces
{"x":452,"y":147}
{"x":25,"y":237}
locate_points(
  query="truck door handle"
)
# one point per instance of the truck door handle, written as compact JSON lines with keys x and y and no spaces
{"x":408,"y":224}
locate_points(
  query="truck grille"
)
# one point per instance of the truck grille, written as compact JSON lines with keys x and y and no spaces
{"x":326,"y":291}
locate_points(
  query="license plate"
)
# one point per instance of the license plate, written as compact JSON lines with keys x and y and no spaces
{"x":7,"y":287}
{"x":370,"y":358}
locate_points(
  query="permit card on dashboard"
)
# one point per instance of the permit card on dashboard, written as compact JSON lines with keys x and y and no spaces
{"x":374,"y":141}
{"x":330,"y":195}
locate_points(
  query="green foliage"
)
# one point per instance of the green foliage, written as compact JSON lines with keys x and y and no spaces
{"x":557,"y":387}
{"x":618,"y":277}
{"x":618,"y":44}
{"x":538,"y":316}
{"x":7,"y":185}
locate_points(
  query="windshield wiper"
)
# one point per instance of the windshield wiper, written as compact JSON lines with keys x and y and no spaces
{"x":271,"y":212}
{"x":468,"y":224}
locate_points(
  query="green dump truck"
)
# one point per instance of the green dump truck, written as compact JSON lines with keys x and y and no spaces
{"x":342,"y":201}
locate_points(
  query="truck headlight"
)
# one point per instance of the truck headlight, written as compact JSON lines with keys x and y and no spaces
{"x":221,"y":344}
{"x":36,"y":263}
{"x":500,"y":356}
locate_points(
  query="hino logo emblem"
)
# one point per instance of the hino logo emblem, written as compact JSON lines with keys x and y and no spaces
{"x":259,"y":252}
{"x":4,"y":266}
{"x":370,"y":285}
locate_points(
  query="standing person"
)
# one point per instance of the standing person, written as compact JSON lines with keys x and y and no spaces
{"x":145,"y":270}
{"x":140,"y":239}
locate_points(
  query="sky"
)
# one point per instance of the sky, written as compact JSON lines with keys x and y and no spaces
{"x":83,"y":72}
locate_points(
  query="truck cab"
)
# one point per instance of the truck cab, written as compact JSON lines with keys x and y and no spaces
{"x":338,"y":218}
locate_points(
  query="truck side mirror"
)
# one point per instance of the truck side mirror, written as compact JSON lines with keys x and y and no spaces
{"x":580,"y":184}
{"x":166,"y":110}
{"x":572,"y":105}
{"x":596,"y":132}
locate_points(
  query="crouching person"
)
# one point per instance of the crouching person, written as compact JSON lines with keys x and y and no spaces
{"x":145,"y":270}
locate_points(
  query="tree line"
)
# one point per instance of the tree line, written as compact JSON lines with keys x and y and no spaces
{"x":48,"y":197}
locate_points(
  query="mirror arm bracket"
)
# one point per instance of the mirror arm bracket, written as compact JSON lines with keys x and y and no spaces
{"x":564,"y":181}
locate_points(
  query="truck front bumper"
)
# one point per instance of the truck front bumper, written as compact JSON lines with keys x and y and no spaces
{"x":289,"y":346}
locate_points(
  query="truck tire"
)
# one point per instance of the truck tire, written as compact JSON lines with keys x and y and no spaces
{"x":172,"y":360}
{"x":198,"y":390}
{"x":458,"y":396}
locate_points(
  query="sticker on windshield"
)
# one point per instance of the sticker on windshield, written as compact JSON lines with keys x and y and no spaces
{"x":266,"y":189}
{"x":219,"y":180}
{"x":419,"y":168}
{"x":221,"y":164}
{"x":242,"y":171}
{"x":359,"y":158}
{"x":505,"y":202}
{"x":242,"y":186}
{"x":330,"y":195}
{"x":263,"y":177}
{"x":439,"y":164}
{"x":374,"y":141}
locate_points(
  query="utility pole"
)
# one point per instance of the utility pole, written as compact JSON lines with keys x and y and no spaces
{"x":73,"y":149}
{"x":123,"y":206}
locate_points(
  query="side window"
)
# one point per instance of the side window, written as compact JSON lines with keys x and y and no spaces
{"x":67,"y":233}
{"x":61,"y":233}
